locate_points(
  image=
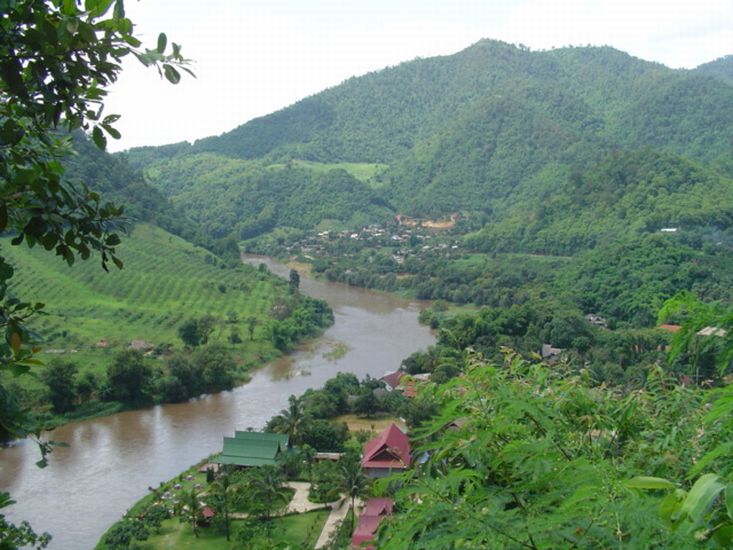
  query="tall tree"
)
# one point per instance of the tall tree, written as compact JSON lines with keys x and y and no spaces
{"x":189,"y":509}
{"x":353,"y":481}
{"x":290,"y":421}
{"x":226,"y":490}
{"x":129,"y":377}
{"x":294,"y":280}
{"x":59,"y":377}
{"x":266,"y":486}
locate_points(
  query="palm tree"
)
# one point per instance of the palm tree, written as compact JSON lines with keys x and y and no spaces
{"x":190,"y":508}
{"x":266,"y":486}
{"x":290,"y":421}
{"x":225,"y":490}
{"x":353,"y":482}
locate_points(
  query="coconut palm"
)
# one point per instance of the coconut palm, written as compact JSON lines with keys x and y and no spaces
{"x":266,"y":488}
{"x":290,"y":421}
{"x":226,"y":490}
{"x":353,"y":482}
{"x":189,"y":507}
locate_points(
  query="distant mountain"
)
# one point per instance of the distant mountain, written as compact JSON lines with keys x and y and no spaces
{"x":481,"y":131}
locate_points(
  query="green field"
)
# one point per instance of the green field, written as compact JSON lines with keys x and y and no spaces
{"x":165,"y":281}
{"x":363,"y":171}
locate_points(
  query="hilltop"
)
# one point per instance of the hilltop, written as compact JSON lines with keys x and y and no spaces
{"x":471,"y":131}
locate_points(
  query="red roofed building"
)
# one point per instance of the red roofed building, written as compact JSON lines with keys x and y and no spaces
{"x":374,"y":510}
{"x":386,"y":453}
{"x":378,"y":507}
{"x":393,"y":379}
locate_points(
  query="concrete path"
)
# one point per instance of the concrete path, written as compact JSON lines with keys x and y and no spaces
{"x":338,"y":513}
{"x":300,"y":503}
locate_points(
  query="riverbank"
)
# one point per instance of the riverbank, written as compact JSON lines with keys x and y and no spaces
{"x":300,"y":522}
{"x":127,"y":378}
{"x":125,"y":453}
{"x":333,"y":423}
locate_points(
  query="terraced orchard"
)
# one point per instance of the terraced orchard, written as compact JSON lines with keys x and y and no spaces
{"x":92,"y":315}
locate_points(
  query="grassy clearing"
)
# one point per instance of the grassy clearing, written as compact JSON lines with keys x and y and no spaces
{"x":363,"y":171}
{"x":377,"y":423}
{"x":301,"y":528}
{"x":295,"y":530}
{"x":174,"y":534}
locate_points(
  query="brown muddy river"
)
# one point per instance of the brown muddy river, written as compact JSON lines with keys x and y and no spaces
{"x":113,"y":460}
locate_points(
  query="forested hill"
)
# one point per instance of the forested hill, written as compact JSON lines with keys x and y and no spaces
{"x":473,"y":132}
{"x":117,"y":181}
{"x":601,"y":91}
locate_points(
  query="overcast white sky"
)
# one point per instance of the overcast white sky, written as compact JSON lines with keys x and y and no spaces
{"x":256,"y":56}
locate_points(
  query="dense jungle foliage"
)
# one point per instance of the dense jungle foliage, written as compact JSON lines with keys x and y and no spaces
{"x":523,"y":454}
{"x":491,"y":126}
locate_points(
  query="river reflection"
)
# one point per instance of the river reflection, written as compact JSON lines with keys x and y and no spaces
{"x":113,"y":460}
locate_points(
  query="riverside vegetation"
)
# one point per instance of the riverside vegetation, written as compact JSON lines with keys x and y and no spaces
{"x":515,"y":453}
{"x":577,"y":181}
{"x":250,"y":316}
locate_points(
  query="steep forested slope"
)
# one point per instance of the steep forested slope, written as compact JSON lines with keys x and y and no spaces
{"x":116,"y":180}
{"x":623,"y":196}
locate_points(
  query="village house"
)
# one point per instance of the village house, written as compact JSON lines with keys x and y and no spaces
{"x":596,"y":320}
{"x":375,"y":510}
{"x":550,"y":354}
{"x":712,"y":331}
{"x":392,"y":379}
{"x":404,"y":382}
{"x":141,"y":345}
{"x":387,"y":453}
{"x":252,"y":449}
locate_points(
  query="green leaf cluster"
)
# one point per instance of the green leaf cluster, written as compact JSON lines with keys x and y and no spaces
{"x":526,"y":455}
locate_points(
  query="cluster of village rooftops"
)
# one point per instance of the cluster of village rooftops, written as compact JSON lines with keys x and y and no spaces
{"x":387,"y":453}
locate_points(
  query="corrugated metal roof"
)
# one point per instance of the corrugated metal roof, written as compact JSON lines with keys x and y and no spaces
{"x":252,"y":448}
{"x":262,"y":436}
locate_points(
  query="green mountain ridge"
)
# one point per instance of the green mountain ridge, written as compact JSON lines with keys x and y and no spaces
{"x":721,"y":68}
{"x":464,"y":132}
{"x":586,"y":153}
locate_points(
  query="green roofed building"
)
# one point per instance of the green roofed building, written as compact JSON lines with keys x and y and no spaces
{"x":252,"y":449}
